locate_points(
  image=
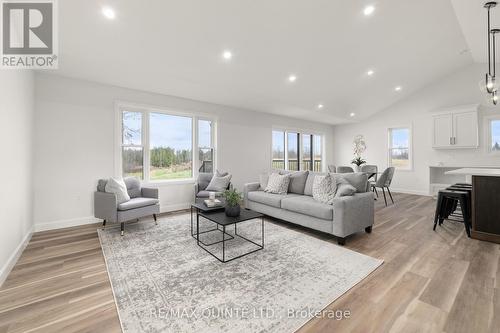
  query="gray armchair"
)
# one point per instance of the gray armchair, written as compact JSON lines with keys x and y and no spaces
{"x":201,"y":184}
{"x":143,"y":202}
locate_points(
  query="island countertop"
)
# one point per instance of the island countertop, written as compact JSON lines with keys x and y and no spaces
{"x":475,"y":172}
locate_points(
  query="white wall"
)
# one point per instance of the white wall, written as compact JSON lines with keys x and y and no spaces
{"x":74,"y":145}
{"x":458,"y":89}
{"x":16,"y":127}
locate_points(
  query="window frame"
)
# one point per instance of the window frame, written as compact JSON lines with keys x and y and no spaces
{"x":299,"y":133}
{"x":146,"y":110}
{"x":410,"y":147}
{"x":487,"y":123}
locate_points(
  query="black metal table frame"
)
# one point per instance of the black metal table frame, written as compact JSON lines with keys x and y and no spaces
{"x":224,"y":240}
{"x":206,"y":231}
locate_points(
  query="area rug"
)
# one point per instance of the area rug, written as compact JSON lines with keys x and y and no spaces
{"x":163,"y":282}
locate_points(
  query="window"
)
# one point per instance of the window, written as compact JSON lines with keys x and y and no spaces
{"x":170,"y":142}
{"x":399,"y":148}
{"x":278,"y":152}
{"x":205,"y":148}
{"x":292,"y":150}
{"x":158,"y":146}
{"x":495,"y":135}
{"x":132,"y":148}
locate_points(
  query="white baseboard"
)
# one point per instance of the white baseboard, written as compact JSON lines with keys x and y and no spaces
{"x":172,"y":208}
{"x":90,"y":219}
{"x":406,"y":191}
{"x":65,"y":223}
{"x":5,"y":270}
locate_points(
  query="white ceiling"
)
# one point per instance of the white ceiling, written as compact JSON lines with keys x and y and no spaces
{"x":175,"y":47}
{"x":472,"y":17}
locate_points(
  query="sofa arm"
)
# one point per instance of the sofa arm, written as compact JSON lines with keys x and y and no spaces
{"x":105,"y":206}
{"x":353,"y":213}
{"x":147,"y":192}
{"x":249,"y":187}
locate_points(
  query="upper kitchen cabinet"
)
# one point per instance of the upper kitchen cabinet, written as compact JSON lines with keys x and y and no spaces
{"x":456,"y":128}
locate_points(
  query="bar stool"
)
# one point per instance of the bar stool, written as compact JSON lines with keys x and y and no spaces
{"x":447,"y":200}
{"x":456,"y":203}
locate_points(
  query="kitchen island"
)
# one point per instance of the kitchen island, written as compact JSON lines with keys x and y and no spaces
{"x":485,"y":202}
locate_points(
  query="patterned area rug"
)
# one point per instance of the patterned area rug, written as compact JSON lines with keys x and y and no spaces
{"x":164,"y":282}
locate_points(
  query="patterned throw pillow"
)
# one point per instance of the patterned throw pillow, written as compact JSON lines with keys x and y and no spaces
{"x":278,"y":183}
{"x":324,"y":188}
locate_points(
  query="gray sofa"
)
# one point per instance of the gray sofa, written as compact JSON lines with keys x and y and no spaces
{"x":347,"y":215}
{"x":143,"y":202}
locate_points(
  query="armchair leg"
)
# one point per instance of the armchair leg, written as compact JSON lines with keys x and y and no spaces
{"x":122,"y":226}
{"x":368,"y":230}
{"x":154,"y":216}
{"x":103,"y":224}
{"x":341,"y":241}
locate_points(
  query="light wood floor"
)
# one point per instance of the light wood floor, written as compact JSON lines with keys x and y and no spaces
{"x":430,"y":281}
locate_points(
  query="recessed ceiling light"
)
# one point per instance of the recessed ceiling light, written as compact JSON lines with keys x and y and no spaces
{"x":398,"y":88}
{"x":320,"y":106}
{"x":108,"y":12}
{"x":227,"y":55}
{"x":368,"y":10}
{"x":352,"y":114}
{"x":370,"y":72}
{"x":292,"y":78}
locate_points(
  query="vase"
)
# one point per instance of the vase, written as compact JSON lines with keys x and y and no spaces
{"x":232,"y":211}
{"x":357,"y":168}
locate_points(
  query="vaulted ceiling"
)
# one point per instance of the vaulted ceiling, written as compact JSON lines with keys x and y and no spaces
{"x":175,"y":48}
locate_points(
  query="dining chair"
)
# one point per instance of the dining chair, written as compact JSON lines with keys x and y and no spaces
{"x":344,"y":169}
{"x":384,"y":182}
{"x":371,"y":171}
{"x":332,"y":168}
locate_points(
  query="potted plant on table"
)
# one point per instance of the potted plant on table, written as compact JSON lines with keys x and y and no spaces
{"x":359,"y":147}
{"x":233,"y":201}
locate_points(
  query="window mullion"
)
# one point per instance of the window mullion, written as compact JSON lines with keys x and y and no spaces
{"x":145,"y":145}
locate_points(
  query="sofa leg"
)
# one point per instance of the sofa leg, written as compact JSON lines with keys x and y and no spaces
{"x":103,"y":224}
{"x":341,"y":241}
{"x":154,"y":216}
{"x":368,"y":230}
{"x":122,"y":226}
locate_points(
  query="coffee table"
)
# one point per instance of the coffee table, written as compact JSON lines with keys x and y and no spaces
{"x":199,"y":206}
{"x":220,"y":218}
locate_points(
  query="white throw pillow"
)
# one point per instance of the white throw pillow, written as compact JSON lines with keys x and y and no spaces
{"x":118,"y":187}
{"x":277,"y":183}
{"x":324,"y":188}
{"x":218,"y":184}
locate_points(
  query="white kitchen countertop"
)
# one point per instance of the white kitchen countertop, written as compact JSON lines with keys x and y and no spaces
{"x":475,"y":172}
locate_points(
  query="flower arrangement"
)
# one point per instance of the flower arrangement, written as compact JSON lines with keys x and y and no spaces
{"x":359,"y":147}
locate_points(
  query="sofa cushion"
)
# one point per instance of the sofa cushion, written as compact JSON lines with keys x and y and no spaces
{"x":270,"y":199}
{"x":205,"y":194}
{"x":137,"y":203}
{"x":219,"y":184}
{"x":278,"y":183}
{"x":324,"y":188}
{"x":358,"y":179}
{"x":204,"y":179}
{"x":310,"y":180}
{"x":308,"y":206}
{"x":133,"y":186}
{"x":297,"y":181}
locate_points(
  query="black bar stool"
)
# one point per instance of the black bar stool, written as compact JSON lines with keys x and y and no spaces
{"x":456,"y":203}
{"x":446,"y":204}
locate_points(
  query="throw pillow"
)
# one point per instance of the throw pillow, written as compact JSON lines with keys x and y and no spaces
{"x":278,"y":183}
{"x":324,"y":188}
{"x":344,"y":188}
{"x":263,"y":180}
{"x":221,"y":174}
{"x":218,"y":184}
{"x":297,"y":180}
{"x":118,"y":187}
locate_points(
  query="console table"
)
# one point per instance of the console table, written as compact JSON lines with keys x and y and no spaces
{"x":485,"y":202}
